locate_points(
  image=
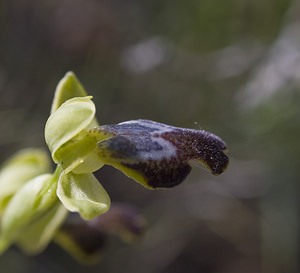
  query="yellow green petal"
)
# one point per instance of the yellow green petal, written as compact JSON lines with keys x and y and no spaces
{"x":75,"y":153}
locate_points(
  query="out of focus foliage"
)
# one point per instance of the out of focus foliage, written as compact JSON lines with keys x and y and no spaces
{"x":231,"y":67}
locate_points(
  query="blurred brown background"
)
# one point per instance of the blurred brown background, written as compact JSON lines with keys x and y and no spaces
{"x":231,"y":67}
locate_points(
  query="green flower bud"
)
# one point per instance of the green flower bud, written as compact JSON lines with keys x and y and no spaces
{"x":38,"y":235}
{"x":32,"y":202}
{"x":83,"y":193}
{"x":19,"y":169}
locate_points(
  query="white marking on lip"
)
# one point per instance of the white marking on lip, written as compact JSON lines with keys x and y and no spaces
{"x":168,"y":150}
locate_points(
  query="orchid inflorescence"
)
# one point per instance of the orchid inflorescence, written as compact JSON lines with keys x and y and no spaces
{"x":34,"y":201}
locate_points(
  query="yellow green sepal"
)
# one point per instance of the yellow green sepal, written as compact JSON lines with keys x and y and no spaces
{"x":68,"y":87}
{"x":83,"y":193}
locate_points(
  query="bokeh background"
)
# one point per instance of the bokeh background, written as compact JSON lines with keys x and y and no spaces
{"x":231,"y":67}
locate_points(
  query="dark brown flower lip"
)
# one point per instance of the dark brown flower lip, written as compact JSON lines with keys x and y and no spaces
{"x":161,"y":153}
